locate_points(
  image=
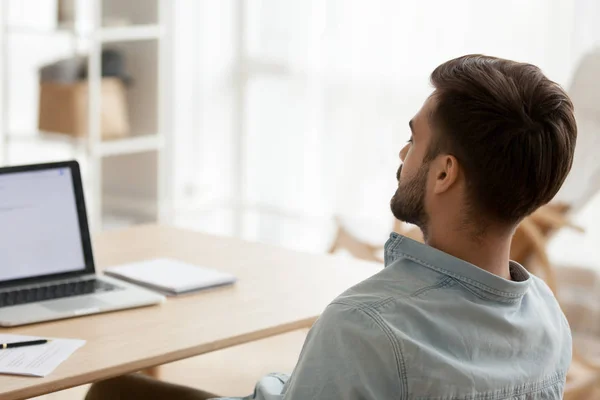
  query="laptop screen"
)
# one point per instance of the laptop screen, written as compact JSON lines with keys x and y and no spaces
{"x":39,"y":225}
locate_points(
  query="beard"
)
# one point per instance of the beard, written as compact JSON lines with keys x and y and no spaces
{"x":408,"y":203}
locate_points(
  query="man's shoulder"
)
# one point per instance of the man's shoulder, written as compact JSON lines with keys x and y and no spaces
{"x":540,"y":288}
{"x":541,"y":294}
{"x":397,"y":282}
{"x":549,"y":310}
{"x":382,"y":302}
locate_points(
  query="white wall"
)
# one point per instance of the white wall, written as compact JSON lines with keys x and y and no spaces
{"x":205,"y":81}
{"x":327,"y":112}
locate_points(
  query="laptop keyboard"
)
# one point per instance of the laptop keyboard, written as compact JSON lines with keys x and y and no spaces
{"x":54,"y":291}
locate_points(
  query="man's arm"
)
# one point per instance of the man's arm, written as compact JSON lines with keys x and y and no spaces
{"x":347,"y":355}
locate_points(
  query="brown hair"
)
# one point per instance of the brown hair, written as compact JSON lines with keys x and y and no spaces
{"x":511,"y":129}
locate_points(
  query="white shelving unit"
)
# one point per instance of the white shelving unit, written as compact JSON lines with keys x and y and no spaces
{"x":126,"y":176}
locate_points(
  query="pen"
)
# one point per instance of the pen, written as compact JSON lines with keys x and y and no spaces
{"x":22,"y":344}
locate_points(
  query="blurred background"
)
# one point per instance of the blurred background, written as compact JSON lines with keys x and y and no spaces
{"x":274,"y":121}
{"x":263,"y":119}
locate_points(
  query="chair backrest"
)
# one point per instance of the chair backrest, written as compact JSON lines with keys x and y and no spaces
{"x":584,"y":180}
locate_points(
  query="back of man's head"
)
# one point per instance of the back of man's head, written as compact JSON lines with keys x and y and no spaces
{"x":511,"y":129}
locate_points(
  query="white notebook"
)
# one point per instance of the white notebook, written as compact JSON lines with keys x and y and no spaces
{"x":170,"y":276}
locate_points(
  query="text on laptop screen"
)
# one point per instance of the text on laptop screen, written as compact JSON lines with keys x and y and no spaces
{"x":39,"y":226}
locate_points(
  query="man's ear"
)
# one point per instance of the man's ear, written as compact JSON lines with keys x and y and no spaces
{"x":446,"y":173}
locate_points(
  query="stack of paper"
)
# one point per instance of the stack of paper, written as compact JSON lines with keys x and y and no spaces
{"x":169,"y":276}
{"x":38,"y":360}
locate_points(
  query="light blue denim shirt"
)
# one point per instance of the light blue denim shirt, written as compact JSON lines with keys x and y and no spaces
{"x":431,"y":326}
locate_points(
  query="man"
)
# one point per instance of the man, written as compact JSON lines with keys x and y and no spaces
{"x":454,"y":318}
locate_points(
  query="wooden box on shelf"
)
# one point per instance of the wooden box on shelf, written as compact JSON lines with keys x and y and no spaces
{"x":63,"y":108}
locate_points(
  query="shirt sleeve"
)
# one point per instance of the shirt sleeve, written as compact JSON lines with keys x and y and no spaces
{"x":347,"y":355}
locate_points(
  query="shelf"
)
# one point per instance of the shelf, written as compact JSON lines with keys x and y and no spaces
{"x":128,"y":145}
{"x":129,"y":33}
{"x":63,"y":29}
{"x":45,"y":137}
{"x":125,"y":33}
{"x":131,"y":145}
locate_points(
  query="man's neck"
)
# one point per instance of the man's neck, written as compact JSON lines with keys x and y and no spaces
{"x":490,"y":252}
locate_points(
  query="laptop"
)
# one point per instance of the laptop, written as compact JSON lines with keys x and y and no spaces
{"x":46,"y":263}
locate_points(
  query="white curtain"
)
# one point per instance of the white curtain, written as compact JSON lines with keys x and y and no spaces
{"x":319,"y":93}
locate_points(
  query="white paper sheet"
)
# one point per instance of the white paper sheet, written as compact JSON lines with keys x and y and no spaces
{"x":39,"y":360}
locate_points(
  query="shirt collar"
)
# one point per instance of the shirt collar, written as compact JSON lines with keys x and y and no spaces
{"x":399,"y":246}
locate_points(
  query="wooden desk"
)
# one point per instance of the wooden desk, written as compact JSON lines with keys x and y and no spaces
{"x":278,"y":291}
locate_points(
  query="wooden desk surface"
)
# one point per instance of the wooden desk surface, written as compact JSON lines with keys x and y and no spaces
{"x":278,"y":291}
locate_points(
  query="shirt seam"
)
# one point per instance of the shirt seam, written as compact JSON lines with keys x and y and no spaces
{"x":462,"y":278}
{"x":483,"y":297}
{"x":378,"y":304}
{"x":399,"y":358}
{"x":519,"y":390}
{"x":395,"y":242}
{"x":445,"y":282}
{"x":441,"y":284}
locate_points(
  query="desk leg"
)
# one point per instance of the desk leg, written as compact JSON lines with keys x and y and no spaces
{"x":153,"y":372}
